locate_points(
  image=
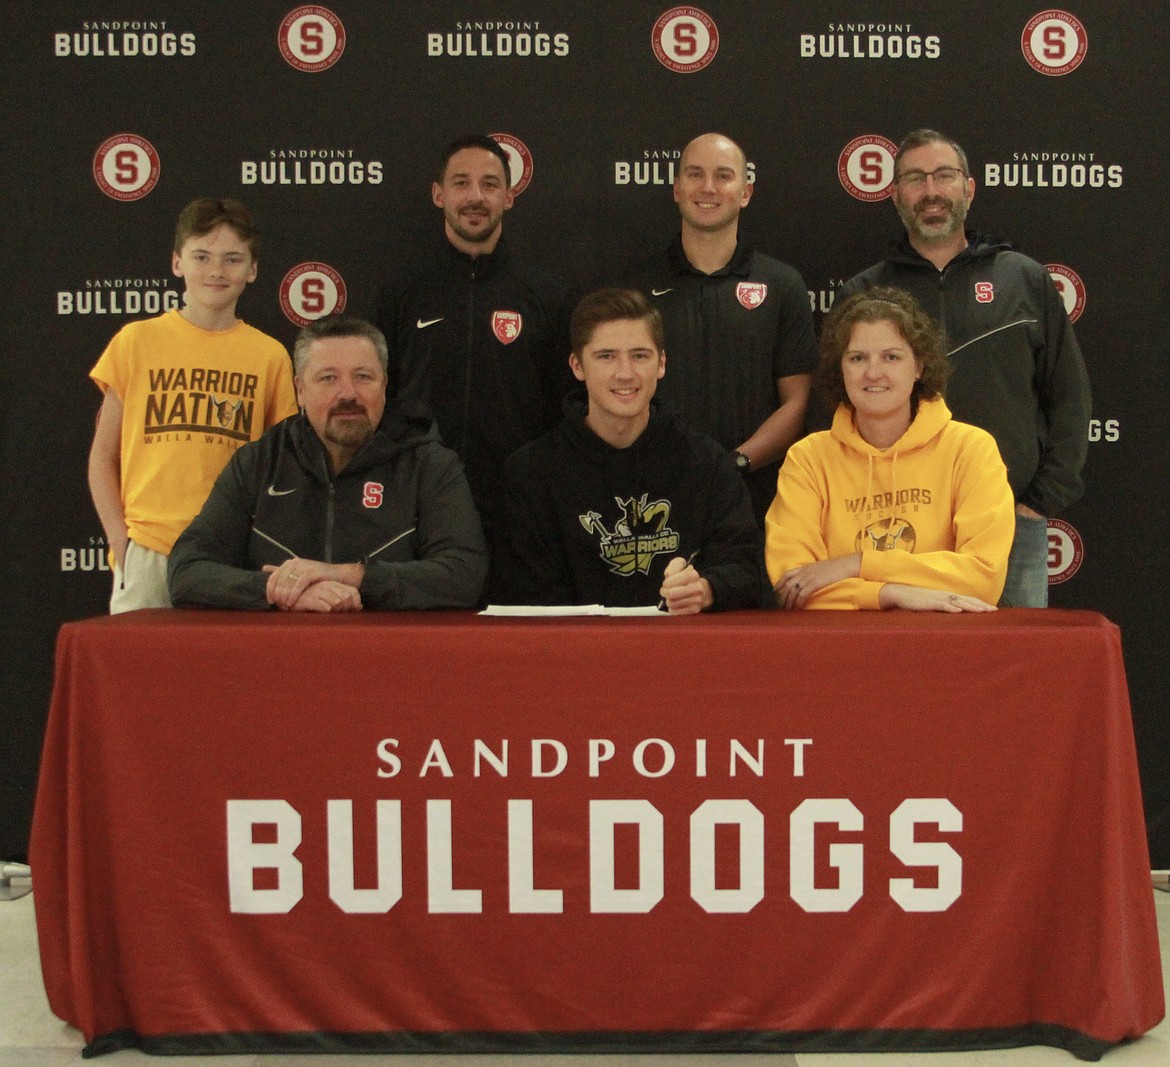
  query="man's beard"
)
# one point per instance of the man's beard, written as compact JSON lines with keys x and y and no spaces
{"x":349,"y":434}
{"x":476,"y":236}
{"x":951,"y":224}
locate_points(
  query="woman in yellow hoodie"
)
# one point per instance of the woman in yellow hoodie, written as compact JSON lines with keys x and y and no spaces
{"x":898,"y":505}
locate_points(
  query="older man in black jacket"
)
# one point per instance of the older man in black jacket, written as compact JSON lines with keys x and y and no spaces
{"x":344,"y":506}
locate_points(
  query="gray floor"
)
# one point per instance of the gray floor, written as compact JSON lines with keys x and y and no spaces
{"x":30,"y":1036}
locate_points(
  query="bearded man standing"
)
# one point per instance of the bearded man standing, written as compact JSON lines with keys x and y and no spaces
{"x":1017,"y":370}
{"x":475,"y":331}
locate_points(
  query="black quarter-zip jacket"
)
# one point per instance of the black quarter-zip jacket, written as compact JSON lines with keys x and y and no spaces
{"x":483,"y":341}
{"x":1017,"y":369}
{"x":401,"y":506}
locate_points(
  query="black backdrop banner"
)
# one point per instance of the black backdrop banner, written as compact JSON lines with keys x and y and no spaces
{"x":326,"y":121}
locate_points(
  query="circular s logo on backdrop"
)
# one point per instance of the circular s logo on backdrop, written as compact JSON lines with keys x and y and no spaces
{"x":1072,"y":290}
{"x":520,"y":165}
{"x":1066,"y":551}
{"x":685,"y":39}
{"x":310,"y":291}
{"x":311,"y":38}
{"x":1054,"y":43}
{"x":126,"y":167}
{"x":866,"y":167}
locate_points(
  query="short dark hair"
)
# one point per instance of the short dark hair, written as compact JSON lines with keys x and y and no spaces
{"x":338,"y":326}
{"x":613,"y":305}
{"x":203,"y":215}
{"x":476,"y":140}
{"x":920,"y":138}
{"x":882,"y":305}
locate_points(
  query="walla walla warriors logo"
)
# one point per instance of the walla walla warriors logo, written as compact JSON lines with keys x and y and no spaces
{"x":637,"y":537}
{"x":201,"y":400}
{"x":885,"y":535}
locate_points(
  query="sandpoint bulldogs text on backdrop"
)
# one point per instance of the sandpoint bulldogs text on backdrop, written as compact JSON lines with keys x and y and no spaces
{"x":498,"y":39}
{"x":870,"y":40}
{"x":311,"y":166}
{"x":124,"y":39}
{"x":657,"y":167}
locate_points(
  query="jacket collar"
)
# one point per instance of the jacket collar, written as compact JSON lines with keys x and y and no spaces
{"x":575,"y":405}
{"x":979,"y":246}
{"x":481,"y":266}
{"x":405,"y":424}
{"x":740,"y":264}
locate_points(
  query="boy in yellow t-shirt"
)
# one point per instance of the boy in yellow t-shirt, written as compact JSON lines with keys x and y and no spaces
{"x":182,"y":392}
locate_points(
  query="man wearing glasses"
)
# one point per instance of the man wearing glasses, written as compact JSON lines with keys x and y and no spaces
{"x":1017,"y":369}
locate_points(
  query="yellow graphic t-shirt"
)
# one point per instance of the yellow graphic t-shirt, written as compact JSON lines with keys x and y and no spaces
{"x":190,"y":398}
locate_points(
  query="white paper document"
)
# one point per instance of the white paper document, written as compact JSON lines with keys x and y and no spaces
{"x":563,"y":610}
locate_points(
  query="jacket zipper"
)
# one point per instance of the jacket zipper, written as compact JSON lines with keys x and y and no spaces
{"x":332,"y":497}
{"x":462,"y":449}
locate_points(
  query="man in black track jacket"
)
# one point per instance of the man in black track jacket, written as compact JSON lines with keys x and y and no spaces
{"x":1017,"y":369}
{"x":474,"y":331}
{"x":349,"y":504}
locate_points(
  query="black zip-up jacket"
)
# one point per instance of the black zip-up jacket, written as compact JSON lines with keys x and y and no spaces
{"x":401,"y":507}
{"x":592,"y":524}
{"x":484,"y":342}
{"x":1017,"y":370}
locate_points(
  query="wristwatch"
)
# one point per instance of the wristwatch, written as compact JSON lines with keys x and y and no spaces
{"x":742,"y":463}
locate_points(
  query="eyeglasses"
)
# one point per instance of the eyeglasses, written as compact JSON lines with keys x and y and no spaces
{"x":944,"y":177}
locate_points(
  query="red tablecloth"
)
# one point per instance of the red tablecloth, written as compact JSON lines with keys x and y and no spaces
{"x":769,"y":832}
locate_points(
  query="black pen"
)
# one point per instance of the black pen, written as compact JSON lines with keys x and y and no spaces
{"x":690,"y":559}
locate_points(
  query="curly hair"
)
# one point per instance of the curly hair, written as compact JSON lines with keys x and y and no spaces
{"x":882,"y":304}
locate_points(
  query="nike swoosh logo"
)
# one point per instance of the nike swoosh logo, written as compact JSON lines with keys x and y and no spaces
{"x":660,"y":292}
{"x":430,"y":322}
{"x":273,"y":491}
